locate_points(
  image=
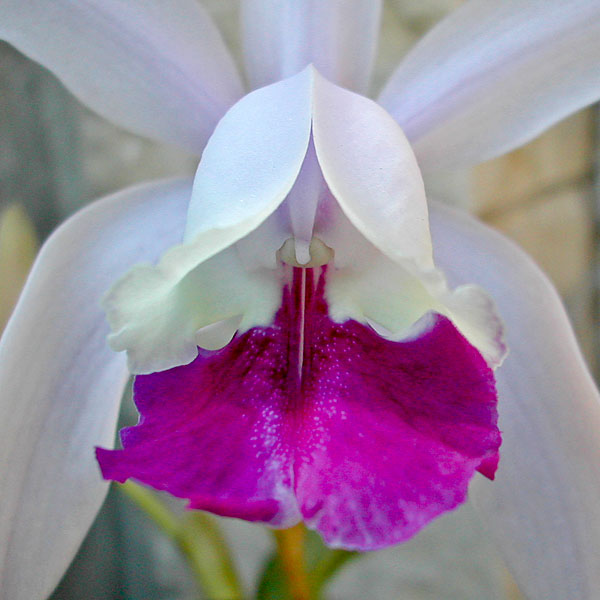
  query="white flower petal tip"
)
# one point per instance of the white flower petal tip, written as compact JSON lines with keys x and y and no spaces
{"x":61,"y":386}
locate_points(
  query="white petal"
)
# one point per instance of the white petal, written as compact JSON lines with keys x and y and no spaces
{"x":61,"y":385}
{"x":543,"y":507}
{"x":338,"y":36}
{"x":157,"y":68}
{"x":372,"y":172}
{"x":494,"y":75}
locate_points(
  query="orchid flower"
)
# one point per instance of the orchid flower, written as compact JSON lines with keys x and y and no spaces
{"x":312,"y":339}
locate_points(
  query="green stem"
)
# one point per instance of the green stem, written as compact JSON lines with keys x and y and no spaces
{"x":290,"y":547}
{"x":199,"y":539}
{"x":327,"y":567}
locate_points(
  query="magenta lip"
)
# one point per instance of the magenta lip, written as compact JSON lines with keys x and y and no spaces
{"x":365,"y":439}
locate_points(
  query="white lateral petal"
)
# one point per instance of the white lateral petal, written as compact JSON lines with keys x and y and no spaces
{"x":61,"y":385}
{"x":543,"y":507}
{"x":372,"y":172}
{"x":157,"y":68}
{"x":338,"y":36}
{"x":250,"y":163}
{"x":494,"y":75}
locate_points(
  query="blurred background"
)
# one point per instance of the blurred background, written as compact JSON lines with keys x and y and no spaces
{"x":56,"y":156}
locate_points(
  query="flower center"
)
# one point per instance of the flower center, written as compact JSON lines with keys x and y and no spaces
{"x":303,"y":307}
{"x":318,"y":253}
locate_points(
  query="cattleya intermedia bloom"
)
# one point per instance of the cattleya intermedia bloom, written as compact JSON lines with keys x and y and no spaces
{"x":299,"y":354}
